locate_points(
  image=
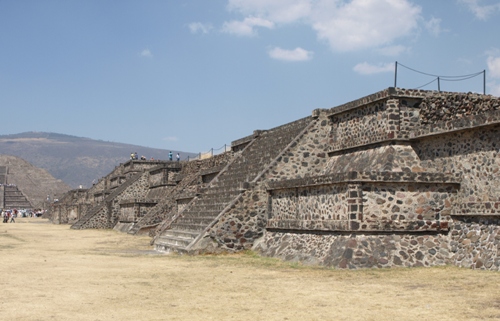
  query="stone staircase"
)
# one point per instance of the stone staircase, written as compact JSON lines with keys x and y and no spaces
{"x":225,"y":189}
{"x":97,"y":209}
{"x":14,"y":198}
{"x":3,"y":175}
{"x":152,"y":217}
{"x":167,"y":203}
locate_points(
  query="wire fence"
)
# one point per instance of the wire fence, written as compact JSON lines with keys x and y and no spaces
{"x":439,"y":78}
{"x":208,"y":154}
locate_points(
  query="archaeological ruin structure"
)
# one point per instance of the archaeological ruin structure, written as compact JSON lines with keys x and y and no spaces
{"x":397,"y":178}
{"x":11,"y":197}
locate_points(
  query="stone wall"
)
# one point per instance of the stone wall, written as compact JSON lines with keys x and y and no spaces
{"x":216,"y":161}
{"x":306,"y":158}
{"x":372,"y":123}
{"x":164,"y":174}
{"x":454,"y":106}
{"x":137,"y":192}
{"x":172,"y":199}
{"x":379,"y":158}
{"x":370,"y":201}
{"x":70,"y":207}
{"x":397,"y":178}
{"x":475,"y":242}
{"x":243,"y":223}
{"x":418,"y":219}
{"x":387,"y":180}
{"x":471,"y":243}
{"x":67,"y":213}
{"x":474,"y":156}
{"x":98,"y":200}
{"x":132,"y":210}
{"x":357,"y":250}
{"x":106,"y":214}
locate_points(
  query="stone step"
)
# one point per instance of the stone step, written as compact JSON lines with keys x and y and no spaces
{"x":171,"y":240}
{"x":202,"y":220}
{"x":183,"y":233}
{"x":166,"y":247}
{"x":221,"y":191}
{"x":202,"y":213}
{"x":206,"y":207}
{"x":189,"y":226}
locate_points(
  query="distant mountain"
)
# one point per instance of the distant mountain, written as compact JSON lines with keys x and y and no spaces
{"x":35,"y":183}
{"x":74,"y":160}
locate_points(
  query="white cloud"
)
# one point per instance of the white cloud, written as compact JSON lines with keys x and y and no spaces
{"x":494,"y":88}
{"x":392,"y":51}
{"x":480,"y":10}
{"x":362,"y":24}
{"x":434,"y":26}
{"x":246,"y":27}
{"x":196,"y":27}
{"x":344,"y":25}
{"x":297,"y":54}
{"x":278,"y":11}
{"x":368,"y":69}
{"x":493,"y":66}
{"x":493,"y":72}
{"x":146,"y":53}
{"x":170,"y":139}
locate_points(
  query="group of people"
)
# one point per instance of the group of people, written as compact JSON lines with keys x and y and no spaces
{"x":134,"y":156}
{"x":9,"y":216}
{"x":170,"y":156}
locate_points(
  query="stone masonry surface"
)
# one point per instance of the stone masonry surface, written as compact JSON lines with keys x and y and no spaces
{"x":397,"y":178}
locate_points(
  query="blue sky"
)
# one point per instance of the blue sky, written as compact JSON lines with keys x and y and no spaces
{"x":194,"y":75}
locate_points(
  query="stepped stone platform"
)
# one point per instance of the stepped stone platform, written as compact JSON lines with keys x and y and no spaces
{"x":36,"y":184}
{"x":257,"y":154}
{"x":180,"y":189}
{"x":11,"y":197}
{"x":397,"y":178}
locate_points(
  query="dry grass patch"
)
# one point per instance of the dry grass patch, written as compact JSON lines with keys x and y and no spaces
{"x":55,"y":273}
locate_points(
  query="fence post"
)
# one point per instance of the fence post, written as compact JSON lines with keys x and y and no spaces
{"x":395,"y":74}
{"x":484,"y":82}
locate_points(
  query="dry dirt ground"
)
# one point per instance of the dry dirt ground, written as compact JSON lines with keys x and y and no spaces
{"x":49,"y":272}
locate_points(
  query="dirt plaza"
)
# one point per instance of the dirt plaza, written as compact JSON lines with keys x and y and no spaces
{"x":50,"y":272}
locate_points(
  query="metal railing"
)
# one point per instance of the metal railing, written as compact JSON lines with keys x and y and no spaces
{"x":439,"y":78}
